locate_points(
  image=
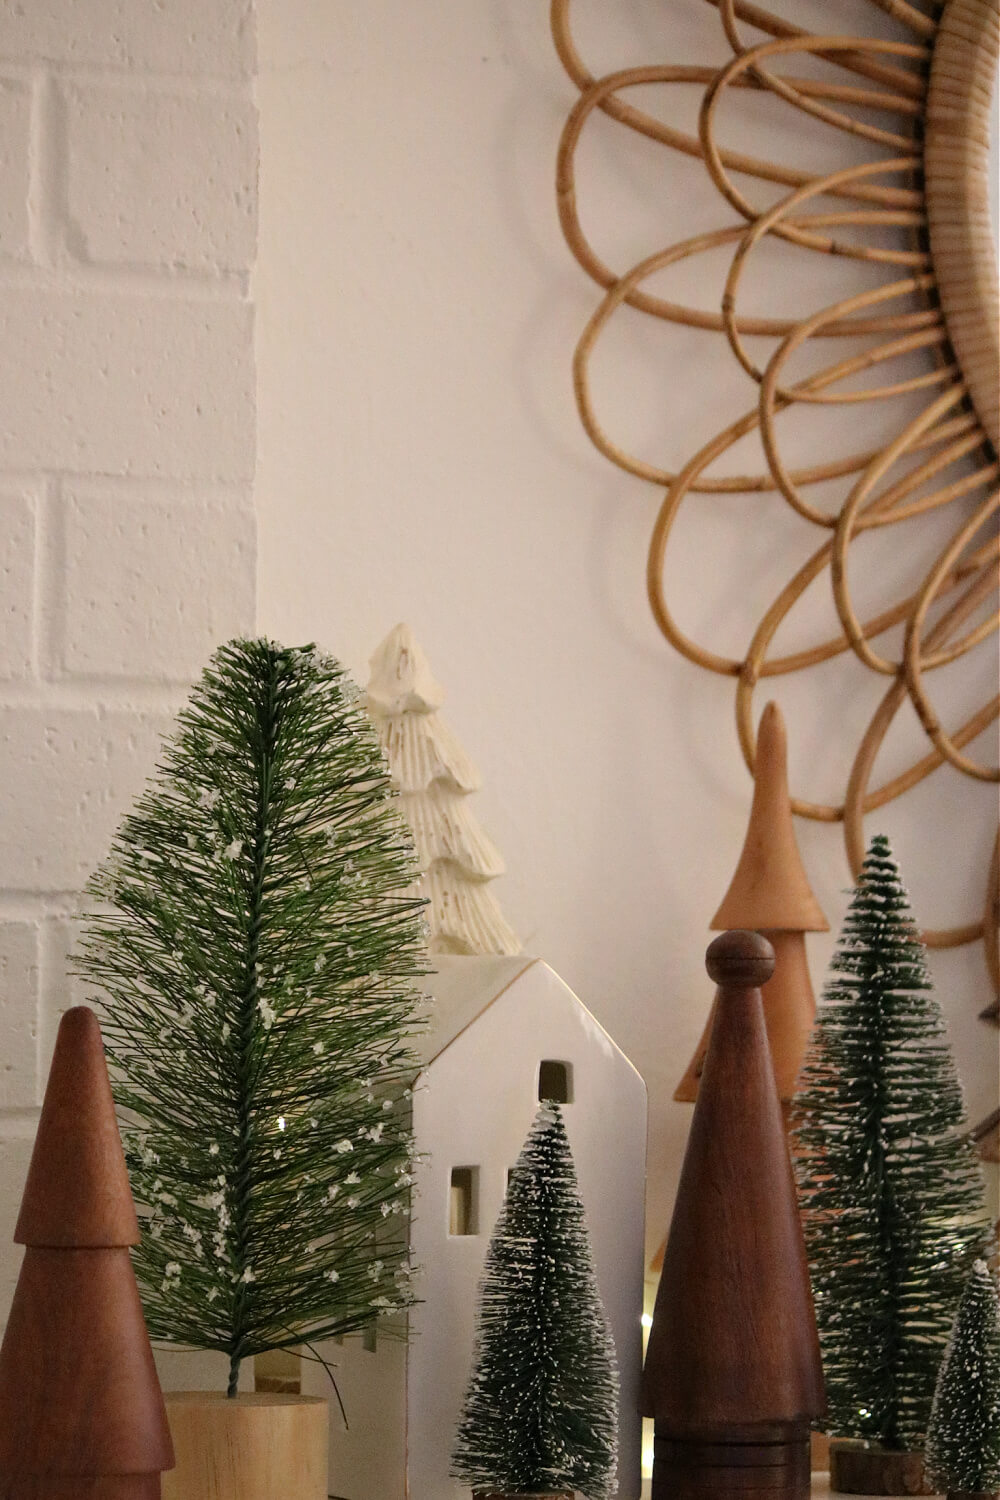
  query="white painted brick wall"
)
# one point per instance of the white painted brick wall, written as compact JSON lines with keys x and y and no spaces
{"x":128,"y":191}
{"x":18,"y":1013}
{"x":127,"y":382}
{"x":17,"y":582}
{"x":133,"y":201}
{"x":200,"y":38}
{"x":151,"y":585}
{"x":15,"y":130}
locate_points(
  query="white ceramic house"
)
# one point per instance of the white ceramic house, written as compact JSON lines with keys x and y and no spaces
{"x":506,"y":1031}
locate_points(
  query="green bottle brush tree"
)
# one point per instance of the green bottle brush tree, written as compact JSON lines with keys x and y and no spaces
{"x":541,"y":1412}
{"x":963,"y":1441}
{"x":890,"y":1187}
{"x":257,"y":946}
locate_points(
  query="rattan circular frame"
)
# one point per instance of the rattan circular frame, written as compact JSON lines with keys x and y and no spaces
{"x":924,"y":102}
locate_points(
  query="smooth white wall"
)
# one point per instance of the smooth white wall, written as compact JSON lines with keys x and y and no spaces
{"x":420,"y":458}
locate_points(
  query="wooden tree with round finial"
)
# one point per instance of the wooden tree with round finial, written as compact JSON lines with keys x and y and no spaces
{"x":770,"y":893}
{"x":732,"y":1376}
{"x":81,"y":1413}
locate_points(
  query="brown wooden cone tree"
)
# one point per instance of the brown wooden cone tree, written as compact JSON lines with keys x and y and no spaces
{"x":81,"y":1412}
{"x":770,"y":893}
{"x":732,"y":1376}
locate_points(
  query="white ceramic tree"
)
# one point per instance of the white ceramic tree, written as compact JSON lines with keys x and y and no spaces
{"x":434,"y":778}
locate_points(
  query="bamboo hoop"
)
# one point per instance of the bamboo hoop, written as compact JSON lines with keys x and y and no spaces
{"x":924,"y":104}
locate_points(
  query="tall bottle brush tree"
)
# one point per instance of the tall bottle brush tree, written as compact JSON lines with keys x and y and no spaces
{"x":541,"y":1412}
{"x":258,"y":944}
{"x":891,"y":1191}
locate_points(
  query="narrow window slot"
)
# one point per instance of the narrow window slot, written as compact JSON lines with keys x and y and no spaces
{"x":463,"y":1201}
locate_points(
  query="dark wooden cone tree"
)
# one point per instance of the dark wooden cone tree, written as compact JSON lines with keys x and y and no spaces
{"x":81,"y":1412}
{"x":770,"y":893}
{"x":732,"y":1376}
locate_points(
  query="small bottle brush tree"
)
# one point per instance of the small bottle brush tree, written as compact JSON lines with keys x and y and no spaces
{"x":963,"y":1440}
{"x":541,"y":1412}
{"x":890,"y":1188}
{"x":257,"y":950}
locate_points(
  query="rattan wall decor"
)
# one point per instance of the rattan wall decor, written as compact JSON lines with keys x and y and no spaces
{"x":916,"y":212}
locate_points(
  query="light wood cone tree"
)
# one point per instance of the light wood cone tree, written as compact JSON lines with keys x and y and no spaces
{"x":434,"y":778}
{"x":732,"y":1376}
{"x":81,"y":1413}
{"x":770,"y":893}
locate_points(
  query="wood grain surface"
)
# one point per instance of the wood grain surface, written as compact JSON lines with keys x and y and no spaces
{"x":261,"y":1446}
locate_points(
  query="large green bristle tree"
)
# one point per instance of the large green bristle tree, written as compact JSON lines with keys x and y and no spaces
{"x":257,"y":945}
{"x":890,"y":1187}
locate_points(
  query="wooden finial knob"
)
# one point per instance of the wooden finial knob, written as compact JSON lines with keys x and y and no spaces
{"x":740,"y":960}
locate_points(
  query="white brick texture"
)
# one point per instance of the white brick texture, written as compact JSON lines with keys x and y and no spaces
{"x":159,"y":179}
{"x":211,"y":38}
{"x":152,"y":586}
{"x":128,"y":227}
{"x":17,"y":584}
{"x":15,"y":133}
{"x":66,"y":775}
{"x":19,"y":1013}
{"x":131,"y":384}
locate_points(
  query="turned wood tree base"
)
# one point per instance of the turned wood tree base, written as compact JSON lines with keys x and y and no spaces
{"x":855,"y":1470}
{"x":107,"y":1487}
{"x":775,"y":1465}
{"x":253,"y":1447}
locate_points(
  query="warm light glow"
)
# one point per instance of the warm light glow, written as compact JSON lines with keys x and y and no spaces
{"x":647,"y":1321}
{"x":647,"y":1451}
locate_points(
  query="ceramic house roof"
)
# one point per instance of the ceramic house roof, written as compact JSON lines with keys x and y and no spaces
{"x":464,"y":987}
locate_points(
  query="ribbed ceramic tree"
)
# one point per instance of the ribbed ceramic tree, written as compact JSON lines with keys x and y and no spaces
{"x":770,"y":893}
{"x":541,"y":1413}
{"x":963,"y":1439}
{"x":890,"y":1188}
{"x":732,"y":1376}
{"x":81,"y":1414}
{"x":434,"y":778}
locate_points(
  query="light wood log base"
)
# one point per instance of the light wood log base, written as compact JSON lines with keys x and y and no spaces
{"x":820,"y":1445}
{"x":58,"y":1487}
{"x":692,"y":1469}
{"x":856,"y":1470}
{"x":251,"y":1447}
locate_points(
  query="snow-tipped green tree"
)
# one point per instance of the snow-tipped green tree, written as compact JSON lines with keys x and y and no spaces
{"x":541,"y":1411}
{"x":890,"y":1188}
{"x":257,"y":946}
{"x":963,"y":1440}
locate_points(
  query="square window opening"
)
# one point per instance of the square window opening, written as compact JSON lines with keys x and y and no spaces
{"x":555,"y":1082}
